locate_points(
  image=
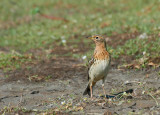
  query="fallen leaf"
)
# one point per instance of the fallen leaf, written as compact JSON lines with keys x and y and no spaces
{"x":79,"y":108}
{"x":137,"y":66}
{"x":151,"y":64}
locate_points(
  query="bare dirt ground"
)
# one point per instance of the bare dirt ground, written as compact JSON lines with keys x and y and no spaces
{"x":61,"y":92}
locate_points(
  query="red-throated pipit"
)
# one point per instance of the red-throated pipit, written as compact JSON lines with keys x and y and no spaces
{"x":98,"y":65}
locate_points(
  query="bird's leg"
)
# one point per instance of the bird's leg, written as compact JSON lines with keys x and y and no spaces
{"x":91,"y":90}
{"x":103,"y":88}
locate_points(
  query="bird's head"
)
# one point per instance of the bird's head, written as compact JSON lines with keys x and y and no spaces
{"x":97,"y":39}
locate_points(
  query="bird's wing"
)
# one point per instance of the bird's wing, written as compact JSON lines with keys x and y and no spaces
{"x":89,"y":65}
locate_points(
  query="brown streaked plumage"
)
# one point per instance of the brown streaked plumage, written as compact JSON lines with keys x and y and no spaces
{"x":98,"y":66}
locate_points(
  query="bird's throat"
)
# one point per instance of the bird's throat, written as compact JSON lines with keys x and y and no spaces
{"x":100,"y":47}
{"x":100,"y":52}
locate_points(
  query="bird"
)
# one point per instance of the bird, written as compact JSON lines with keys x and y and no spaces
{"x":98,"y":66}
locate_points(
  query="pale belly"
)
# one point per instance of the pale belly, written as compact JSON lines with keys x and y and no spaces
{"x":99,"y":70}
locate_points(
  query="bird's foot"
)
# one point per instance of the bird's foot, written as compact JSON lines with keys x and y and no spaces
{"x":93,"y":98}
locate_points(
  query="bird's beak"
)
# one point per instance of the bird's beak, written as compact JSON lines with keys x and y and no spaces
{"x":90,"y":37}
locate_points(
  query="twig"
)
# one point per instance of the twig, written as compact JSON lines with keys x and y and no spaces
{"x":154,"y":99}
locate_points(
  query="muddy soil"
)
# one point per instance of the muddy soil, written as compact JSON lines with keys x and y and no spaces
{"x":57,"y":85}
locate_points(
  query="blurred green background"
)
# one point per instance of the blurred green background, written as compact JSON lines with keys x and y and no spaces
{"x":62,"y":25}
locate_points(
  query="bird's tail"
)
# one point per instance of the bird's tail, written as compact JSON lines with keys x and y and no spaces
{"x":87,"y":91}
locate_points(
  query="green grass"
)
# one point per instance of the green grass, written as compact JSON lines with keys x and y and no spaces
{"x":136,"y":47}
{"x":84,"y":18}
{"x":13,"y":60}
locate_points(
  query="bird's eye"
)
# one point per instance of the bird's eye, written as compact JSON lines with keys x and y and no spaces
{"x":96,"y":37}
